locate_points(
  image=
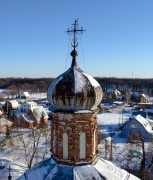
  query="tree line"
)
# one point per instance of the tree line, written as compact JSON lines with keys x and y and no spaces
{"x":42,"y":84}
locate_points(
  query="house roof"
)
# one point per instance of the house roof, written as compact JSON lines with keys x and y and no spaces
{"x":27,"y":118}
{"x":1,"y":113}
{"x":31,"y":103}
{"x":99,"y":169}
{"x":38,"y":112}
{"x":14,"y":103}
{"x":144,"y":122}
{"x":142,"y":113}
{"x":26,"y":94}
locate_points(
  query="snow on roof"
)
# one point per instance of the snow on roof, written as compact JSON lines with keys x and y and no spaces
{"x":26,"y":94}
{"x":150,"y":122}
{"x":110,"y":171}
{"x":5,"y":122}
{"x":31,"y":103}
{"x":1,"y":113}
{"x":144,"y":123}
{"x":80,"y":81}
{"x":82,"y":112}
{"x":38,"y":112}
{"x":92,"y":80}
{"x":143,"y":95}
{"x":118,"y":102}
{"x":99,"y":169}
{"x":27,"y":118}
{"x":14,"y":103}
{"x":52,"y":87}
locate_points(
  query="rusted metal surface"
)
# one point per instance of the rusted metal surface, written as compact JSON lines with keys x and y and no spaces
{"x":74,"y":91}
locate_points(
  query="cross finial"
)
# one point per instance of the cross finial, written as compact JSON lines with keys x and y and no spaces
{"x":75,"y":30}
{"x":9,"y":177}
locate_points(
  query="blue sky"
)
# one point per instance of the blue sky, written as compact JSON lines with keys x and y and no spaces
{"x":118,"y":41}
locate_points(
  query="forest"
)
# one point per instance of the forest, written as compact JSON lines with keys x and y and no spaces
{"x":42,"y":84}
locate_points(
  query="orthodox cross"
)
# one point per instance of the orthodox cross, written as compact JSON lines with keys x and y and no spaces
{"x":9,"y":177}
{"x":74,"y":30}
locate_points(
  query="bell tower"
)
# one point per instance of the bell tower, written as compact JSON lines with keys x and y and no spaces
{"x":74,"y":97}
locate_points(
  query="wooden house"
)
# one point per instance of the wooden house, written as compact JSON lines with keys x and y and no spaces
{"x":25,"y":95}
{"x":33,"y":118}
{"x":10,"y":105}
{"x":144,"y":98}
{"x":136,"y":128}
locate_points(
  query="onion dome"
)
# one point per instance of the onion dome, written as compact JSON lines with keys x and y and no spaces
{"x":74,"y":90}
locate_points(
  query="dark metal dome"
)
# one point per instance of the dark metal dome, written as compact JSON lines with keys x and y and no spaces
{"x":74,"y":90}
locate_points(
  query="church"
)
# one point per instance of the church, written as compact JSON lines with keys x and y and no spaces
{"x":73,"y":97}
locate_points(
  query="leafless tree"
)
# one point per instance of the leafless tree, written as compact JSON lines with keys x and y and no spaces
{"x":32,"y":147}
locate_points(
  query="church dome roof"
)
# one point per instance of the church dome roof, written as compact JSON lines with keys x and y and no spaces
{"x":74,"y":90}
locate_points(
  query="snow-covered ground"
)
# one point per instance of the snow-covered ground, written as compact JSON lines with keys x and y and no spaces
{"x":37,"y":96}
{"x":109,"y":122}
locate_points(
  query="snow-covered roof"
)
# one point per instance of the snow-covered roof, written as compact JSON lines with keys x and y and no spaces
{"x":14,"y":103}
{"x":25,"y":94}
{"x":99,"y":169}
{"x":144,"y":123}
{"x":1,"y":113}
{"x":27,"y":118}
{"x":92,"y":80}
{"x":38,"y":112}
{"x":31,"y":103}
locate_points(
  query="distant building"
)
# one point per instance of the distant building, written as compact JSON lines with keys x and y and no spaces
{"x":27,"y":106}
{"x":141,"y":112}
{"x":112,"y":94}
{"x":25,"y":95}
{"x":33,"y":118}
{"x":10,"y":105}
{"x":113,"y":91}
{"x":144,"y":98}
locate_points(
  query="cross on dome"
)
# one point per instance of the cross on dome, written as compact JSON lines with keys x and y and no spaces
{"x":75,"y":30}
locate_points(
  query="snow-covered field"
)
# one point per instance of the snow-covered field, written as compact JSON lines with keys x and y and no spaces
{"x":37,"y":96}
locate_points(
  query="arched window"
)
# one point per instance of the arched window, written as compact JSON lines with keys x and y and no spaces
{"x":82,"y":146}
{"x":65,"y":146}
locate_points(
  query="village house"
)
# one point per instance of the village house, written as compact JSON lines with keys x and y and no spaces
{"x":144,"y":98}
{"x":33,"y":118}
{"x":10,"y":105}
{"x":27,"y":106}
{"x":136,"y":128}
{"x":112,"y":94}
{"x":25,"y":95}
